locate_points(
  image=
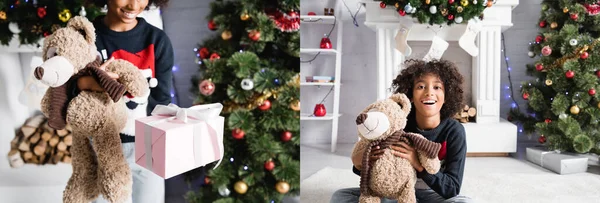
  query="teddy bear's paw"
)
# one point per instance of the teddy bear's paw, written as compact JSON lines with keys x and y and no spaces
{"x":130,"y":76}
{"x":116,"y":184}
{"x":77,"y":191}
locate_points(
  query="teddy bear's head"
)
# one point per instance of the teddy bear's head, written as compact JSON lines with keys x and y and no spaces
{"x":66,"y":51}
{"x":382,"y":118}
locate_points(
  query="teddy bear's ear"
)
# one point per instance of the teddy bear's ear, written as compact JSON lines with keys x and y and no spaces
{"x":401,"y":99}
{"x":84,"y":27}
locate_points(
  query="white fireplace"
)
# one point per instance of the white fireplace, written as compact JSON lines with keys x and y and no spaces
{"x":490,"y":134}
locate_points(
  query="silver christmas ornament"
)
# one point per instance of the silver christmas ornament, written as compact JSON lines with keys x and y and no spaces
{"x":531,"y":54}
{"x":14,"y":28}
{"x":247,"y":84}
{"x":573,"y":42}
{"x":433,"y":9}
{"x":458,"y":19}
{"x":224,"y":191}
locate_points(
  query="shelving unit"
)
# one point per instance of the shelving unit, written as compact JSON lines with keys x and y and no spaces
{"x":333,"y":116}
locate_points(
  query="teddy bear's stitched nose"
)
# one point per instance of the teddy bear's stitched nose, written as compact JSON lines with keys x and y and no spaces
{"x":39,"y":73}
{"x":360,"y":119}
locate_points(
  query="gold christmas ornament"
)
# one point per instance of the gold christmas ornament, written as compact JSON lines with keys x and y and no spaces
{"x":444,"y":11}
{"x":397,"y":5}
{"x":226,"y":35}
{"x":575,"y":109}
{"x":548,"y":82}
{"x":37,"y":29}
{"x":553,"y":25}
{"x":565,"y":10}
{"x":295,"y":105}
{"x":2,"y":15}
{"x":240,"y":187}
{"x":459,"y":9}
{"x":282,"y":187}
{"x":599,"y":105}
{"x":464,"y":2}
{"x":245,"y":16}
{"x":427,"y":1}
{"x":64,"y":15}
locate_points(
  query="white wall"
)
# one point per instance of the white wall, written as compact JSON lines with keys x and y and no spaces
{"x":359,"y":63}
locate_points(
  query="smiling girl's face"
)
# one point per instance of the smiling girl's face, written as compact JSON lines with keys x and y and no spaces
{"x":428,"y":96}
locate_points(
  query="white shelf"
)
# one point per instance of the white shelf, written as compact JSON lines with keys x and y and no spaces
{"x":315,"y":51}
{"x":317,"y":84}
{"x":307,"y":117}
{"x":320,"y":19}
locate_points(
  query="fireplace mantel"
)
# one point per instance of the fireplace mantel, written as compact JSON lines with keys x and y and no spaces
{"x":490,"y":133}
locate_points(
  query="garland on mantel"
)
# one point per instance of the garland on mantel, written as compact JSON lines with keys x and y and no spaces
{"x":32,"y":20}
{"x":439,"y":12}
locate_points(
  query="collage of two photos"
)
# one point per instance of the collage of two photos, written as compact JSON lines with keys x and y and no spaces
{"x":299,"y":101}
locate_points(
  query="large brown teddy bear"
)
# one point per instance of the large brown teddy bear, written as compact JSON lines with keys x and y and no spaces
{"x":382,"y":123}
{"x":99,"y":166}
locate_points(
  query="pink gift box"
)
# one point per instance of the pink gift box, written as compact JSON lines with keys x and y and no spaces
{"x":176,"y":146}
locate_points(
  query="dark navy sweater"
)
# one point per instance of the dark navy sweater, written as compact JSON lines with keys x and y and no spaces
{"x":451,"y":134}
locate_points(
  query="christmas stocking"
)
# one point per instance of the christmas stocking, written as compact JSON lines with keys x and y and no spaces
{"x":467,"y":40}
{"x":438,"y":47}
{"x":401,"y":37}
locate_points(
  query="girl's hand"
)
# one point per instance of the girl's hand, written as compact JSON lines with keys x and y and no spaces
{"x":403,"y":150}
{"x":89,"y":83}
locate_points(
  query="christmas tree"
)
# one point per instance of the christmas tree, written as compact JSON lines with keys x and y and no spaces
{"x":32,"y":20}
{"x":563,"y":106}
{"x":251,"y":65}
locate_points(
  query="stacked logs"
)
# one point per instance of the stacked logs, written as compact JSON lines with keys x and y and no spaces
{"x":466,"y":114}
{"x":37,"y":143}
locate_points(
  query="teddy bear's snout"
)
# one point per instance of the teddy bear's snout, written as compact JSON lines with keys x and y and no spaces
{"x":360,"y":119}
{"x":39,"y":73}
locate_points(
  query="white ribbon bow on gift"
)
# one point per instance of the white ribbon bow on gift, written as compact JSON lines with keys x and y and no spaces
{"x":199,"y":112}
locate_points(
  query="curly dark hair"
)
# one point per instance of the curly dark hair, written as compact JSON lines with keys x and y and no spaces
{"x":448,"y":74}
{"x":158,"y":3}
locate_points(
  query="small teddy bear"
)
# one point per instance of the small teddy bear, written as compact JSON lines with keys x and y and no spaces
{"x":99,"y":166}
{"x":382,"y":123}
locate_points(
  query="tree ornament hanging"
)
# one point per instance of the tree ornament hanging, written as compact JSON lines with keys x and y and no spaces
{"x":530,"y":54}
{"x":240,"y":187}
{"x":269,"y":165}
{"x":238,"y":134}
{"x":464,"y":2}
{"x":82,"y":12}
{"x":64,"y":15}
{"x":2,"y":15}
{"x":574,"y":16}
{"x":247,"y":84}
{"x":570,"y":74}
{"x":254,"y":35}
{"x":382,"y":4}
{"x":214,"y":56}
{"x":14,"y":27}
{"x":574,"y":109}
{"x":543,"y":24}
{"x":245,"y":16}
{"x":266,"y":105}
{"x":282,"y":187}
{"x":546,"y":50}
{"x":539,"y":67}
{"x":547,"y":121}
{"x":226,"y":35}
{"x":450,"y":17}
{"x":286,"y":136}
{"x":444,"y":11}
{"x":565,"y":9}
{"x":224,"y":191}
{"x":427,"y":2}
{"x":41,"y":12}
{"x":542,"y":139}
{"x":207,"y":180}
{"x":548,"y":82}
{"x":592,"y":92}
{"x":553,"y":25}
{"x":458,"y":19}
{"x":450,"y":1}
{"x":573,"y":42}
{"x":277,"y":81}
{"x":397,"y":5}
{"x":490,"y":3}
{"x":207,"y":87}
{"x":584,"y":55}
{"x":295,"y":105}
{"x":525,"y":96}
{"x":459,"y":9}
{"x":598,"y":105}
{"x":402,"y":12}
{"x":204,"y":53}
{"x":544,"y":7}
{"x":598,"y":73}
{"x":539,"y":39}
{"x":212,"y":25}
{"x":433,"y":9}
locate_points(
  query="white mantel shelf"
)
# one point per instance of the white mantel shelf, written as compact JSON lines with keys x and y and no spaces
{"x":490,"y":134}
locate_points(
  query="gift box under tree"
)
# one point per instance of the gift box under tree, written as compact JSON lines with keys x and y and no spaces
{"x":176,"y":140}
{"x":559,"y":162}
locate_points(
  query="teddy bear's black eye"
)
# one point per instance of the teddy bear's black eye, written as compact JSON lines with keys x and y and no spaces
{"x":55,"y":54}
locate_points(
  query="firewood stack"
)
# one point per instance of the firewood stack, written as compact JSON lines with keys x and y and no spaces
{"x":466,"y":114}
{"x":37,"y":143}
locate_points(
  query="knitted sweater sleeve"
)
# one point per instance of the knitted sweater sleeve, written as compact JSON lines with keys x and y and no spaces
{"x":161,"y":94}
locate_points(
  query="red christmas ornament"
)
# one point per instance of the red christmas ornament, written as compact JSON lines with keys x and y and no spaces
{"x":539,"y":67}
{"x":546,"y":50}
{"x":206,"y":180}
{"x":211,"y":25}
{"x":46,"y":34}
{"x":548,"y":120}
{"x":525,"y":96}
{"x":574,"y":16}
{"x":450,"y":17}
{"x":41,"y":12}
{"x":293,"y":14}
{"x":269,"y":165}
{"x":203,"y":53}
{"x":402,"y":12}
{"x":286,"y":136}
{"x":266,"y":105}
{"x":598,"y":73}
{"x":584,"y":55}
{"x":214,"y":56}
{"x":542,"y":139}
{"x":312,"y":13}
{"x":592,"y":92}
{"x":450,"y":1}
{"x":543,"y":24}
{"x":237,"y":134}
{"x":570,"y":74}
{"x":206,"y":87}
{"x":325,"y":43}
{"x":539,"y":39}
{"x":254,"y":35}
{"x":320,"y":110}
{"x":382,"y":5}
